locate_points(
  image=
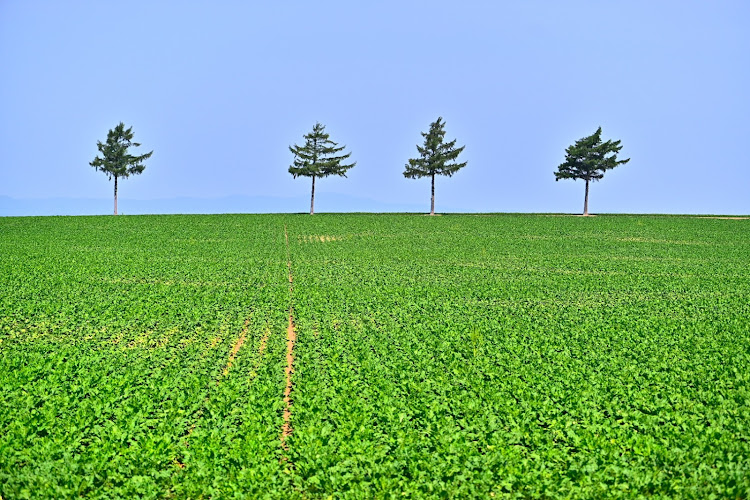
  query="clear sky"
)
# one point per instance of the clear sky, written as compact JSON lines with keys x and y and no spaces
{"x":219,"y":90}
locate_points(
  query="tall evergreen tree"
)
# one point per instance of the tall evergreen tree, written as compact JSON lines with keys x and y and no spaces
{"x":318,"y":158}
{"x":116,"y":161}
{"x":588,"y":159}
{"x":435,"y":158}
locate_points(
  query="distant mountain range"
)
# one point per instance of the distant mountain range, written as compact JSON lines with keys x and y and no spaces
{"x":324,"y":202}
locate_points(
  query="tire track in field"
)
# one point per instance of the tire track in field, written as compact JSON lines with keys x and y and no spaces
{"x":291,"y":335}
{"x":236,"y":348}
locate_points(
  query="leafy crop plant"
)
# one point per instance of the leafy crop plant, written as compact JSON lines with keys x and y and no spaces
{"x":509,"y":356}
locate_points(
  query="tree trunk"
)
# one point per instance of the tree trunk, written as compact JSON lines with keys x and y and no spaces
{"x":586,"y":200}
{"x":432,"y":199}
{"x":312,"y":197}
{"x":115,"y":195}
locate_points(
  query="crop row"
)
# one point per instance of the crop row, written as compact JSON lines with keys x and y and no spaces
{"x":522,"y":356}
{"x":115,"y":338}
{"x":454,"y":356}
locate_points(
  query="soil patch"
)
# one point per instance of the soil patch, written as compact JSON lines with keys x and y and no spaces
{"x":318,"y":238}
{"x":291,"y":335}
{"x":725,"y":218}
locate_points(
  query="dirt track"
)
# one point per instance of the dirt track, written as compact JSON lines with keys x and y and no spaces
{"x":291,"y":334}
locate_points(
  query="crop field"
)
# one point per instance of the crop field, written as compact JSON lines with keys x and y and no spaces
{"x":374,"y":356}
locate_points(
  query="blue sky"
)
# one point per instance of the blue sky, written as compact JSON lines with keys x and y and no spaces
{"x":219,"y":90}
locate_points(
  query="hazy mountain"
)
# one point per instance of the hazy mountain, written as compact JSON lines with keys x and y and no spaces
{"x":325,"y":202}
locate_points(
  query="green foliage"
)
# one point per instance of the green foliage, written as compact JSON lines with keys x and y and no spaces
{"x":589,"y":158}
{"x":460,"y":356}
{"x":111,"y":369}
{"x":319,"y":157}
{"x":521,"y":356}
{"x":435,"y":157}
{"x":115,"y":160}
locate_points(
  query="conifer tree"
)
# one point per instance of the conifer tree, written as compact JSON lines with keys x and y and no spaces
{"x":318,"y":158}
{"x":435,"y":158}
{"x":116,"y":161}
{"x":588,"y":159}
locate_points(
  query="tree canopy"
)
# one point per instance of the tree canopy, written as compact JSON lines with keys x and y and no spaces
{"x":435,"y":158}
{"x":588,"y":159}
{"x":318,"y":157}
{"x":116,"y":161}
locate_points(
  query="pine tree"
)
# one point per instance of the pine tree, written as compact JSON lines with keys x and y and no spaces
{"x":435,"y":158}
{"x":588,"y":159}
{"x":318,"y":158}
{"x":116,"y":161}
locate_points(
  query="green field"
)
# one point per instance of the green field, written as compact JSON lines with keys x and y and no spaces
{"x":458,"y":356}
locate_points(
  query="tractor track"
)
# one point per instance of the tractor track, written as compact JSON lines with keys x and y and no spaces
{"x":291,"y":334}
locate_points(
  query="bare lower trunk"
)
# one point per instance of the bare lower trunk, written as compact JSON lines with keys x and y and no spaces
{"x":115,"y":195}
{"x":432,"y":199}
{"x":586,"y":200}
{"x":312,"y":197}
